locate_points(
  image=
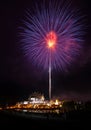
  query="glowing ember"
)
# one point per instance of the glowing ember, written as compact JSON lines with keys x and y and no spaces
{"x":51,"y":39}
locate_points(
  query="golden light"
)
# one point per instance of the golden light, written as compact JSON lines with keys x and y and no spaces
{"x":56,"y":102}
{"x":42,"y":98}
{"x":51,"y":39}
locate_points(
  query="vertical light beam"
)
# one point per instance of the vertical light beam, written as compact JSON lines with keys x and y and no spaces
{"x":50,"y":75}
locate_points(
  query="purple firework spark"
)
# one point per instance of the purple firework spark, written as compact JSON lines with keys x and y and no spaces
{"x":55,"y":29}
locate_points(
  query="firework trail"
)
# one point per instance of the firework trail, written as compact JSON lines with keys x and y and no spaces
{"x":53,"y":28}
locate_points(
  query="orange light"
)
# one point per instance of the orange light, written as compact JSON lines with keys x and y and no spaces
{"x":51,"y":39}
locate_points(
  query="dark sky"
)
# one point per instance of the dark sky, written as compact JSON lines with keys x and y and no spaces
{"x":19,"y":78}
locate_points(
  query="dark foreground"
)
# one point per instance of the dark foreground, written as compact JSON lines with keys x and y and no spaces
{"x":72,"y":120}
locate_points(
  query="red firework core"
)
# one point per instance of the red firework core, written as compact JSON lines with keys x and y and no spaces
{"x":51,"y":39}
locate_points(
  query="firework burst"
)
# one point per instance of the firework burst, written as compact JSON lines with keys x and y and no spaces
{"x":55,"y":29}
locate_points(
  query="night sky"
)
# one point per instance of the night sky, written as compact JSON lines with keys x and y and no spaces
{"x":19,"y":78}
